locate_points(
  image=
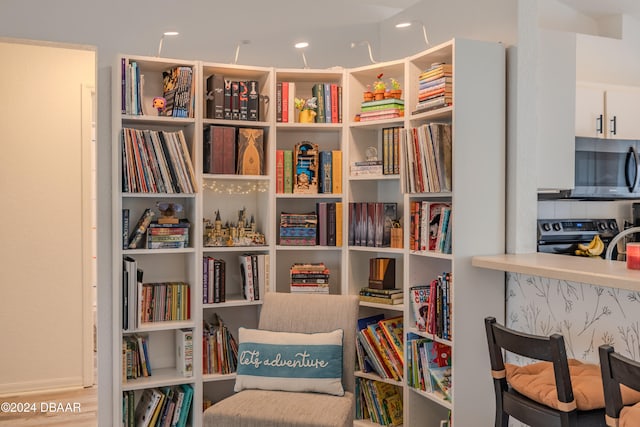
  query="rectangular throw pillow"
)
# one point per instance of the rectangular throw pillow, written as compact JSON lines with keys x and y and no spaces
{"x":290,"y":361}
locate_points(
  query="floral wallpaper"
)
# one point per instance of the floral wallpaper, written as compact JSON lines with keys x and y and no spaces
{"x":587,"y":315}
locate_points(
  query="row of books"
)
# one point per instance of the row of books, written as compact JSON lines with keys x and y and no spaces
{"x":388,"y":108}
{"x":380,"y":346}
{"x":381,"y":296}
{"x":330,"y":171}
{"x":229,"y":99}
{"x":131,"y":278}
{"x":429,"y":366}
{"x":430,"y":226}
{"x":234,"y":151}
{"x":370,"y":223}
{"x":309,"y":278}
{"x":431,"y":306}
{"x":435,"y":87}
{"x":255,"y":275}
{"x":164,"y":301}
{"x":328,"y":98}
{"x":379,"y":402}
{"x":156,"y":162}
{"x":220,"y":348}
{"x":213,"y":280}
{"x":158,"y":407}
{"x":428,"y":158}
{"x":298,"y":229}
{"x":135,"y":357}
{"x":329,"y":232}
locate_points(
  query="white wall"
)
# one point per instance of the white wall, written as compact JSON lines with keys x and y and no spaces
{"x":45,"y":257}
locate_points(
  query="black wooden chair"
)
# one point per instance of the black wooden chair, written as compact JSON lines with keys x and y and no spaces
{"x":511,"y":403}
{"x":619,"y":370}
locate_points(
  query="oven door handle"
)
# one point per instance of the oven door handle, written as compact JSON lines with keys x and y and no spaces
{"x":632,"y":184}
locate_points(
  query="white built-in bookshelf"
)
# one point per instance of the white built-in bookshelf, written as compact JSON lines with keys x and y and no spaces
{"x":477,"y":119}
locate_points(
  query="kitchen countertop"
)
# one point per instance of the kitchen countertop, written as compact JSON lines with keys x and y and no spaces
{"x":595,"y":271}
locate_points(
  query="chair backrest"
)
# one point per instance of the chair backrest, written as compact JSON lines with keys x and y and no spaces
{"x":616,"y":370}
{"x":549,"y":349}
{"x":311,"y":313}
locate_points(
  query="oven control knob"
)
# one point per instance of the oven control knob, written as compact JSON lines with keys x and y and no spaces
{"x":613,"y":226}
{"x":546,"y":226}
{"x":556,"y":226}
{"x":602,"y":226}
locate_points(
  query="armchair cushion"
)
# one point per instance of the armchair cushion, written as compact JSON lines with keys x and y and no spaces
{"x":290,"y":361}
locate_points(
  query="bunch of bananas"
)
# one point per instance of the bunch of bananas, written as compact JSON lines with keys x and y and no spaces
{"x":594,"y":248}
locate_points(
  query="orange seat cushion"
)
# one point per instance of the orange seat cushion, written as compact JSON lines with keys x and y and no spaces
{"x":537,"y":382}
{"x":630,"y":416}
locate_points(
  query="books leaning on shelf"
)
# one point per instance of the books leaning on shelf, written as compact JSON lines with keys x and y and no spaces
{"x":379,"y":347}
{"x":329,"y":230}
{"x":370,"y":223}
{"x":379,"y":402}
{"x":428,"y":158}
{"x":309,"y":278}
{"x":431,"y":306}
{"x":156,"y":162}
{"x":168,"y":236}
{"x":254,"y":274}
{"x":135,"y":357}
{"x":219,"y":348}
{"x":163,"y":301}
{"x":381,"y":296}
{"x":430,"y":227}
{"x":178,"y":87}
{"x":429,"y":366}
{"x":131,"y":279}
{"x":165,"y":406}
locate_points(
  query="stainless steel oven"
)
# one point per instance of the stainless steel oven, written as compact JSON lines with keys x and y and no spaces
{"x":562,"y":236}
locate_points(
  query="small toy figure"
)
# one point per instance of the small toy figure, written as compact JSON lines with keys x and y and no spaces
{"x":159,"y":103}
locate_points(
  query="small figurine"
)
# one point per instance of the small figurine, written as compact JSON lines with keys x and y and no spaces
{"x":159,"y":103}
{"x":168,"y":212}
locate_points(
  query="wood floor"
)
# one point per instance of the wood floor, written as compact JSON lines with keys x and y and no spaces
{"x":69,"y":408}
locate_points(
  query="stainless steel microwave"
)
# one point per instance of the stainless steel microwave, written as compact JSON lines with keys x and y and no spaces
{"x":606,"y":169}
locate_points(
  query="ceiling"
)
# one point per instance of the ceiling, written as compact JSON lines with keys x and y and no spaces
{"x":600,"y":8}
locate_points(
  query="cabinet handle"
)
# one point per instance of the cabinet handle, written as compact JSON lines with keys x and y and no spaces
{"x":599,"y":124}
{"x":613,"y":125}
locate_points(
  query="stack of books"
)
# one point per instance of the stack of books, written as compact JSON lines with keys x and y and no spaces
{"x":309,"y":278}
{"x":381,"y":296}
{"x":168,"y":236}
{"x":380,"y":346}
{"x":298,"y":229}
{"x":389,"y":108}
{"x":435,"y":87}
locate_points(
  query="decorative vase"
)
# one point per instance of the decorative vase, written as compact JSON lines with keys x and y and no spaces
{"x":379,"y":94}
{"x":367,"y":96}
{"x":306,"y":116}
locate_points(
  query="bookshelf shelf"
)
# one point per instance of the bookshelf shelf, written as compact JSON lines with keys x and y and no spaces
{"x":477,"y":119}
{"x":375,"y":377}
{"x":160,"y":378}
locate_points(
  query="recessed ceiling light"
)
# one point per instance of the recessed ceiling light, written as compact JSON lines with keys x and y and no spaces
{"x":403,"y":25}
{"x":301,"y":45}
{"x":171,"y":33}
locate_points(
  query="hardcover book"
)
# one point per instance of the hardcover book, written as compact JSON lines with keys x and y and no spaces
{"x":215,"y":96}
{"x":288,"y":171}
{"x":250,"y":151}
{"x":243,"y":99}
{"x":253,"y":107}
